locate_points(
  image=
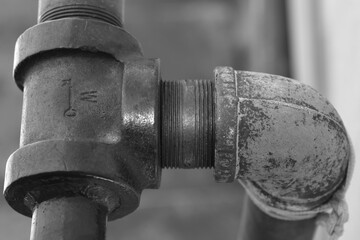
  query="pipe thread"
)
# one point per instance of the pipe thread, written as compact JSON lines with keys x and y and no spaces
{"x":187,"y":137}
{"x":80,"y":11}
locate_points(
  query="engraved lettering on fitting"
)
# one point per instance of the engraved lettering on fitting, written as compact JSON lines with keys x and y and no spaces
{"x":70,"y":111}
{"x":89,"y":96}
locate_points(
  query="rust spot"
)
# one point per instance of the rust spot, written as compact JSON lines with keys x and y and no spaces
{"x":252,"y":122}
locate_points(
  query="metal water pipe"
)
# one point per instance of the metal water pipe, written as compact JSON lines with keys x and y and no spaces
{"x":99,"y":123}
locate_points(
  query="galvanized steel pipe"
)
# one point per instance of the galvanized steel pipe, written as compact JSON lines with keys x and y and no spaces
{"x":98,"y":125}
{"x":281,"y":137}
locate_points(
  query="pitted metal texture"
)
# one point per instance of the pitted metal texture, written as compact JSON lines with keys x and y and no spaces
{"x":99,"y":124}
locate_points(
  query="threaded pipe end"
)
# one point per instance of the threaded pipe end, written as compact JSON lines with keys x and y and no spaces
{"x":187,"y":111}
{"x":105,"y":11}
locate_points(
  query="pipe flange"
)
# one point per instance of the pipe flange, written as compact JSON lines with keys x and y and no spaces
{"x":226,"y":108}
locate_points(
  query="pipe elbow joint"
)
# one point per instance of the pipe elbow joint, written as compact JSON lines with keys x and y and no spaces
{"x":291,"y":147}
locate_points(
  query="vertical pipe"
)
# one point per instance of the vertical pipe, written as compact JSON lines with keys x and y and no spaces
{"x":256,"y":225}
{"x":71,"y":218}
{"x":262,"y":46}
{"x":110,"y":11}
{"x":261,"y":41}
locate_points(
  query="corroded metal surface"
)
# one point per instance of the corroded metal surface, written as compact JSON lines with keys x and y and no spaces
{"x":98,"y":125}
{"x":281,"y":138}
{"x":226,"y":105}
{"x":292,"y":146}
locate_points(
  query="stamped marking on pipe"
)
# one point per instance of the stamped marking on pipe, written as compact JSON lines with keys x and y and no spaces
{"x":89,"y":96}
{"x":70,"y":111}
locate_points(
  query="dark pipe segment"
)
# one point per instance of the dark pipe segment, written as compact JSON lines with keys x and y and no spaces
{"x":71,"y":218}
{"x":98,"y":125}
{"x":257,"y":225}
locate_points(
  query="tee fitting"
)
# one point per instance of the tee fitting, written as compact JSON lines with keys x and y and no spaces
{"x":90,"y":115}
{"x":99,"y":123}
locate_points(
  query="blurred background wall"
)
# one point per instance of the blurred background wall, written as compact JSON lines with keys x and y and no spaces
{"x":317,"y":42}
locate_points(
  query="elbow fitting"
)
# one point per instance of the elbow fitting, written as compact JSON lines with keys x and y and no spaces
{"x":98,"y":125}
{"x":288,"y":145}
{"x":280,"y":138}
